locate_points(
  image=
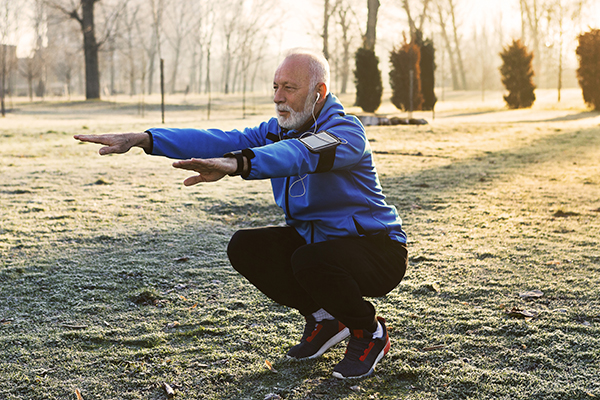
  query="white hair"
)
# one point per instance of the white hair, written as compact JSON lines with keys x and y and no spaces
{"x":318,"y":66}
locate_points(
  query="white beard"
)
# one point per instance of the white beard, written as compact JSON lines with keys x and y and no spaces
{"x":296,"y":118}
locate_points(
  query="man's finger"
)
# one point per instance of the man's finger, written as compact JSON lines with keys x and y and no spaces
{"x":90,"y":138}
{"x":191,"y":165}
{"x":107,"y":150}
{"x":193,"y":180}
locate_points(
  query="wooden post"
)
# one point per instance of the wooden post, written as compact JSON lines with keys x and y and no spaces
{"x":411,"y":76}
{"x":162,"y":89}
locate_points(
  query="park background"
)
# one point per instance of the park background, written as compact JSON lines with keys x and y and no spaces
{"x":113,"y":276}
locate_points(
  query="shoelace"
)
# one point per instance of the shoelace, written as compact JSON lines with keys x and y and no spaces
{"x":310,"y":326}
{"x":359,"y":347}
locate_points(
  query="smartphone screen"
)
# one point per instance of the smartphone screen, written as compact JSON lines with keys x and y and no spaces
{"x":320,"y":141}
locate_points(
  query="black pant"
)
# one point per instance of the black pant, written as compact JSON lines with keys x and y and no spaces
{"x":333,"y":275}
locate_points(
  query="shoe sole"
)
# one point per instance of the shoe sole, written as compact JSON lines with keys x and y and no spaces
{"x":379,"y":357}
{"x":341,"y":335}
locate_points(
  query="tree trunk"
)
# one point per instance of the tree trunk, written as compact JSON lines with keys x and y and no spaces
{"x":175,"y":68}
{"x":534,"y":18}
{"x":453,"y":72}
{"x":371,"y":35}
{"x":90,"y":49}
{"x":207,"y":86}
{"x":326,"y":30}
{"x":411,"y":22}
{"x":461,"y":68}
{"x":345,"y":69}
{"x":200,"y":68}
{"x":3,"y":79}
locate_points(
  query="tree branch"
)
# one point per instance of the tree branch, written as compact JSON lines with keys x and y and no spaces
{"x":73,"y":13}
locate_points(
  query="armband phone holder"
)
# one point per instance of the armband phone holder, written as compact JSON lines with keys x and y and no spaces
{"x":320,"y":142}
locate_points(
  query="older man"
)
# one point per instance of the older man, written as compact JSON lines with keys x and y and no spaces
{"x":342,"y":241}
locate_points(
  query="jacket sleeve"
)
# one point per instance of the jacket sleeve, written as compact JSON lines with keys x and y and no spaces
{"x":204,"y":143}
{"x":291,"y":158}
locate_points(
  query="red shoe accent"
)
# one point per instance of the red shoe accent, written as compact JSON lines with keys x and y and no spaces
{"x":367,"y":350}
{"x":314,"y":333}
{"x":358,"y":333}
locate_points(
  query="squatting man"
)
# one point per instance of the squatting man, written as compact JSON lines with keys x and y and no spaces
{"x":342,"y":242}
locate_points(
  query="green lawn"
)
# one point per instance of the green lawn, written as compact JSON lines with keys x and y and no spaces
{"x":114,"y":278}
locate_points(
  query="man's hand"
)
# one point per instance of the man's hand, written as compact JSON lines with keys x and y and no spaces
{"x":209,"y":170}
{"x":117,"y":143}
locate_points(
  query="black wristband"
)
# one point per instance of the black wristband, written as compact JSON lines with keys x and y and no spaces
{"x":239,"y":157}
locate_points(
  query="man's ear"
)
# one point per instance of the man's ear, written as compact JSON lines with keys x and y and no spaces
{"x":321,"y":93}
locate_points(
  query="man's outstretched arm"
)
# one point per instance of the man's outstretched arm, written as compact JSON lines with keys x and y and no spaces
{"x":118,"y":143}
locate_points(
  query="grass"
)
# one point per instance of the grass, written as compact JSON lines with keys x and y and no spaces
{"x":114,"y":278}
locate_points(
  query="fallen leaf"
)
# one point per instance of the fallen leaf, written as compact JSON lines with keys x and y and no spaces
{"x":526,"y":314}
{"x":168,"y":389}
{"x":181,"y":259}
{"x":182,"y":297}
{"x":355,"y":388}
{"x":564,"y":214}
{"x":194,"y":306}
{"x":270,"y":366}
{"x":78,"y":394}
{"x":421,"y":259}
{"x":431,"y":348}
{"x":532,"y":294}
{"x":173,"y":324}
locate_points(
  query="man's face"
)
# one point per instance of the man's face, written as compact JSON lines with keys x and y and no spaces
{"x":292,"y":94}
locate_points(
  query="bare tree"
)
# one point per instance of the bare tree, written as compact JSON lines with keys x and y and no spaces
{"x":179,"y":26}
{"x":129,"y":18}
{"x":446,"y":10}
{"x":153,"y":49}
{"x":345,"y":22}
{"x":421,"y":18}
{"x":327,"y":14}
{"x":533,"y":12}
{"x":346,"y":26}
{"x":63,"y":52}
{"x":8,"y":27}
{"x":230,"y":14}
{"x":562,"y":16}
{"x":83,"y":12}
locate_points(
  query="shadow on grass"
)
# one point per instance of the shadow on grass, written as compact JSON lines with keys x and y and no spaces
{"x":479,"y":171}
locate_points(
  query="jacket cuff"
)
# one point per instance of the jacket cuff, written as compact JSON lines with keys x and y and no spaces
{"x":249,"y":154}
{"x":151,"y":150}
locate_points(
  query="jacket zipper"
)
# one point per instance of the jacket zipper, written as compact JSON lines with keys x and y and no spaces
{"x":287,"y":198}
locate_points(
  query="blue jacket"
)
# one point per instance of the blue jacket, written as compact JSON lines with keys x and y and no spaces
{"x":327,"y":195}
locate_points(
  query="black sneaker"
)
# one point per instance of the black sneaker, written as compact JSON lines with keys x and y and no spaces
{"x":317,"y":338}
{"x":363,"y":353}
